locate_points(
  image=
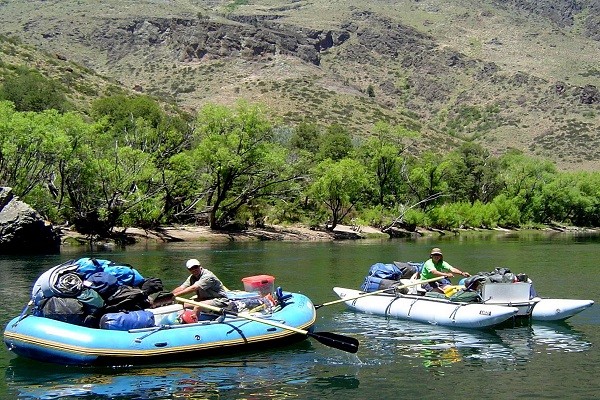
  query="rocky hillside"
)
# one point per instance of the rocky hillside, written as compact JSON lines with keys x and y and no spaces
{"x":509,"y":74}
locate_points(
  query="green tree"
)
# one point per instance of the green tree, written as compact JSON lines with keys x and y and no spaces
{"x":523,"y":178}
{"x":233,"y":162}
{"x":116,"y":186}
{"x":509,"y":213}
{"x":557,"y":200}
{"x":306,"y":137}
{"x":426,"y":180}
{"x":140,"y":123}
{"x":95,"y":181}
{"x":474,"y":174}
{"x":339,"y":185}
{"x":336,"y":143}
{"x":587,"y":211}
{"x":121,"y":112}
{"x":30,"y":146}
{"x":382,"y":154}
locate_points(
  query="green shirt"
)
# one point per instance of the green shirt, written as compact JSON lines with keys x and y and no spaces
{"x":429,"y":266}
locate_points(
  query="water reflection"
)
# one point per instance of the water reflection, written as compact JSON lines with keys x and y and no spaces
{"x":384,"y":341}
{"x":334,"y":384}
{"x":545,"y":338}
{"x":271,"y":374}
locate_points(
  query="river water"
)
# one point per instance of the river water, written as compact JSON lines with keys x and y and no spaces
{"x":396,"y":359}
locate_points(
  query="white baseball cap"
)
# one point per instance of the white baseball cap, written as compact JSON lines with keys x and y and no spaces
{"x":191,"y":263}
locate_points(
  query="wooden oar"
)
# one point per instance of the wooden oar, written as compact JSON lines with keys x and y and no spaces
{"x":334,"y":340}
{"x":379,"y":291}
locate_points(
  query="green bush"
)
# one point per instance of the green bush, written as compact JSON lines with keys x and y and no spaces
{"x":30,"y":91}
{"x":414,"y":218}
{"x":445,"y":217}
{"x":377,"y":217}
{"x":509,"y":214}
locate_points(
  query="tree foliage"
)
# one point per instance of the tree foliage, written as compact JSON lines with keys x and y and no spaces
{"x":335,"y":143}
{"x":339,"y":185}
{"x":234,"y":161}
{"x":134,"y":164}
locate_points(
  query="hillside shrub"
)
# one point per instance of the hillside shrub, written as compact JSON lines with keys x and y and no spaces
{"x":30,"y":91}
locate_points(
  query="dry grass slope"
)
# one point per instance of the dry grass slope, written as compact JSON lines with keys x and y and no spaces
{"x":507,"y":75}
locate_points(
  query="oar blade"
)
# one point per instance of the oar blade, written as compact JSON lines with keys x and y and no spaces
{"x":340,"y":342}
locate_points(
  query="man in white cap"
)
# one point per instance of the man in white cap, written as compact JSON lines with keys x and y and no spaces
{"x":203,"y":282}
{"x":435,"y":266}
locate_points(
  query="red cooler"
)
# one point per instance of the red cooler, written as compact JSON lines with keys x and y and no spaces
{"x":264,"y":284}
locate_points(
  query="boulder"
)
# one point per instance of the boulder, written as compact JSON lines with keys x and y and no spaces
{"x":22,"y":229}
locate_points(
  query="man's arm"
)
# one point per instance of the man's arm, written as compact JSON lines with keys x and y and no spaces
{"x":457,"y":271}
{"x":183,"y":289}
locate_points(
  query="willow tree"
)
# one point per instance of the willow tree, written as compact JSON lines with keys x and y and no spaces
{"x":474,"y":174}
{"x":382,"y":154}
{"x":233,"y":163}
{"x":524,"y":178}
{"x":34,"y":149}
{"x":339,"y":186}
{"x":30,"y":145}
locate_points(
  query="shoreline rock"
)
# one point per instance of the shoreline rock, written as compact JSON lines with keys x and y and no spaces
{"x":22,"y":229}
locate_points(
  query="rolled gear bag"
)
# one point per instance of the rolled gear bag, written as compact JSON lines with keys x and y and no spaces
{"x":60,"y":281}
{"x":379,"y":276}
{"x":124,"y":321}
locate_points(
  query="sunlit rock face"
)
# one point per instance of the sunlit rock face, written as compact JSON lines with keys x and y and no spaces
{"x":22,"y":229}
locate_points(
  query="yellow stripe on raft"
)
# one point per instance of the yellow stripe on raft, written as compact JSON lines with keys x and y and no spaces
{"x":148,"y":352}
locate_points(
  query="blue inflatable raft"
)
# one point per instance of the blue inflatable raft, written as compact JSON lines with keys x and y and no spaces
{"x":54,"y":341}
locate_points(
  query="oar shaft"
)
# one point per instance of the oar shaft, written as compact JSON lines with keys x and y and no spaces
{"x":340,"y":342}
{"x":379,"y":291}
{"x":243,"y":315}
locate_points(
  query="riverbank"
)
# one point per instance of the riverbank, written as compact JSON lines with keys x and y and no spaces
{"x":190,"y":233}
